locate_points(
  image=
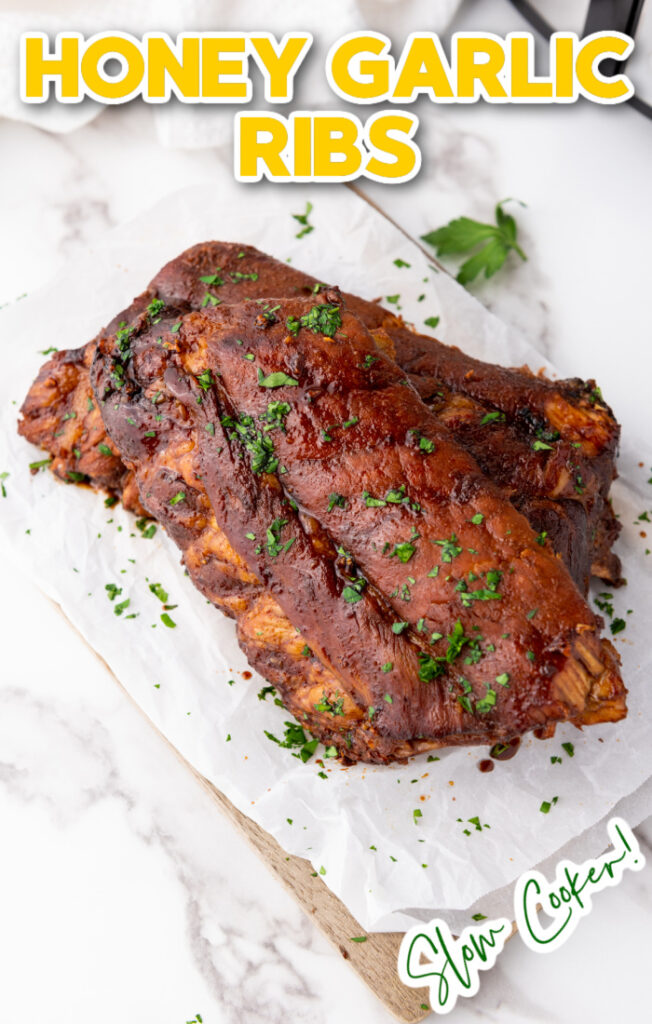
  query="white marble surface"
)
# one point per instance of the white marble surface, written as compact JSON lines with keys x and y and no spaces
{"x":123,"y":893}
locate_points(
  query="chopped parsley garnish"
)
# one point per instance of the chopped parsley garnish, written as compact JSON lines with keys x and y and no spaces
{"x":431,"y":321}
{"x":351,"y":594}
{"x":398,"y":627}
{"x":178,"y":497}
{"x":302,"y":218}
{"x":104,"y":449}
{"x":371,"y":502}
{"x":487,"y":702}
{"x":112,"y":590}
{"x":205,"y":380}
{"x":274,"y":417}
{"x":431,"y":667}
{"x":213,"y":279}
{"x":274,"y":545}
{"x":336,"y":500}
{"x":450,"y":548}
{"x":332,"y":707}
{"x":159,"y":592}
{"x":569,"y":748}
{"x":492,"y":417}
{"x":541,"y":446}
{"x":237,"y":276}
{"x":278,"y":379}
{"x":477,"y":518}
{"x":617,"y":626}
{"x":368,"y":360}
{"x":259,"y":445}
{"x":295,"y":737}
{"x":388,"y":666}
{"x":396,"y":496}
{"x":403,"y":551}
{"x":210,"y":300}
{"x":155,"y":307}
{"x":541,"y":537}
{"x":547,"y":804}
{"x":167,"y":621}
{"x":488,"y":593}
{"x":122,"y":340}
{"x":147,"y":530}
{"x":401,"y":263}
{"x":323,"y":319}
{"x":262,"y":694}
{"x":604,"y":602}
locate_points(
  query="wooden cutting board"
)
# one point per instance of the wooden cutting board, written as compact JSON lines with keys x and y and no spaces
{"x":373,"y":960}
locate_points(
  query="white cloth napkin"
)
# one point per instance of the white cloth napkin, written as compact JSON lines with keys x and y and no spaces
{"x":184,"y":125}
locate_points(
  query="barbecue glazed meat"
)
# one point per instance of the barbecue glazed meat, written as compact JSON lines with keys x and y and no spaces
{"x":388,"y":589}
{"x":550,"y":446}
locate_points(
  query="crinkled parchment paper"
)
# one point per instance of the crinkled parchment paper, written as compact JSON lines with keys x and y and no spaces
{"x":357,"y":825}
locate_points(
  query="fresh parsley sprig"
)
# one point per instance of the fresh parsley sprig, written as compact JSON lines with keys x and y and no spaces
{"x":463,"y":235}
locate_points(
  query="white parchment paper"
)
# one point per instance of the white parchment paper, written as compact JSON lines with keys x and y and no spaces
{"x":357,"y":825}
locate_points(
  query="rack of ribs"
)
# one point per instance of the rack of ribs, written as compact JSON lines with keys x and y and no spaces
{"x":380,"y":577}
{"x":387,"y":588}
{"x":549,"y":445}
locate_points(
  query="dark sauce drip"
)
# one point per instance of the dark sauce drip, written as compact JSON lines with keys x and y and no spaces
{"x":486,"y":765}
{"x":505,"y":751}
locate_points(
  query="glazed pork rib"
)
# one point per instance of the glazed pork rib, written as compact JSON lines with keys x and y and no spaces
{"x":379,"y":580}
{"x":550,"y":446}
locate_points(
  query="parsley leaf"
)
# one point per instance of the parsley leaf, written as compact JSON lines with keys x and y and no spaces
{"x":463,"y":235}
{"x":403,"y":551}
{"x":276,"y":380}
{"x":302,"y":218}
{"x":322,"y":319}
